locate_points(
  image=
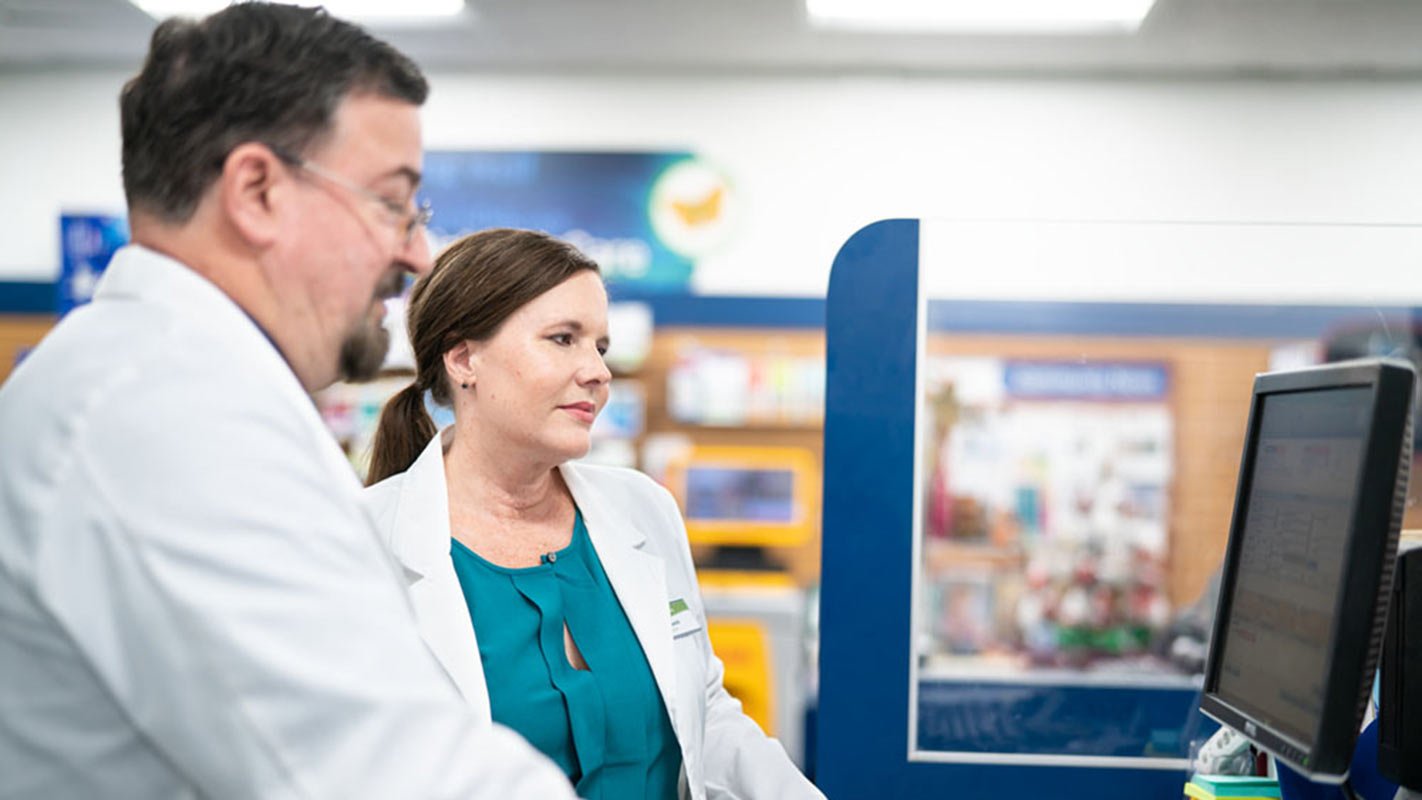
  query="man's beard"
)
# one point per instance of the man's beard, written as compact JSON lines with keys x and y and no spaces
{"x":364,"y":348}
{"x":363,"y":351}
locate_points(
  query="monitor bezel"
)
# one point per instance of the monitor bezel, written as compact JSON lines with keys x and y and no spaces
{"x":1367,"y":570}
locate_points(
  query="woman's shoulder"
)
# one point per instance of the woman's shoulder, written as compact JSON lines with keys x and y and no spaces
{"x":605,"y":477}
{"x":638,"y":501}
{"x":619,"y":484}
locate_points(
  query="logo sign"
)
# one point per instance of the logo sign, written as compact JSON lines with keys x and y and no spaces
{"x":644,"y":217}
{"x":87,"y":242}
{"x":691,"y":208}
{"x":1045,"y":380}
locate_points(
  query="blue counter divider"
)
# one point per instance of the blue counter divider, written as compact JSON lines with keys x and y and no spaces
{"x":871,"y":316}
{"x":867,"y":555}
{"x":1034,"y":718}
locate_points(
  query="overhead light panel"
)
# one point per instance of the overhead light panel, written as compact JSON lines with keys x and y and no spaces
{"x":980,"y":16}
{"x":374,"y":11}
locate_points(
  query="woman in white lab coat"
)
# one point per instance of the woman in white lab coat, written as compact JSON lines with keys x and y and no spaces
{"x":559,"y":597}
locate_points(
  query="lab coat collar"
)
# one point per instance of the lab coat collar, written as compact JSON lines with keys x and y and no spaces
{"x":145,"y":276}
{"x":138,"y":272}
{"x":422,"y":532}
{"x":420,"y":542}
{"x":638,"y":578}
{"x":616,"y":527}
{"x":422,"y":518}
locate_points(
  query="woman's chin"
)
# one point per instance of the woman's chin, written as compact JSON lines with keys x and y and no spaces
{"x":573,"y":450}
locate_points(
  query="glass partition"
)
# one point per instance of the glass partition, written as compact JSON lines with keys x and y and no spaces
{"x":1082,"y":396}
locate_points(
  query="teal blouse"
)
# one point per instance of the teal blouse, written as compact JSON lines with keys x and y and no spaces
{"x":606,"y":726}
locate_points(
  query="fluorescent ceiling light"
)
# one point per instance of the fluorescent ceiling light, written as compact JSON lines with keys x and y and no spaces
{"x":365,"y":10}
{"x":980,"y":16}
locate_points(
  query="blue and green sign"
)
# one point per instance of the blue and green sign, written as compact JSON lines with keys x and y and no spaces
{"x":644,"y":217}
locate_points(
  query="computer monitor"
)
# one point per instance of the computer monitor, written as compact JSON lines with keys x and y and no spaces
{"x":747,"y":496}
{"x":1308,"y":569}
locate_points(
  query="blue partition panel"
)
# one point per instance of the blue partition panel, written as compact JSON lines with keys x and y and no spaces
{"x":870,"y":316}
{"x":872,"y":325}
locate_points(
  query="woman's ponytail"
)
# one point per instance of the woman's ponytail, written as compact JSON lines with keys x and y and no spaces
{"x":404,"y":430}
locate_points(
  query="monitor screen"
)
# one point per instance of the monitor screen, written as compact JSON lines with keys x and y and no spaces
{"x":1274,"y":658}
{"x":747,"y":495}
{"x":733,"y":493}
{"x":1309,"y":559}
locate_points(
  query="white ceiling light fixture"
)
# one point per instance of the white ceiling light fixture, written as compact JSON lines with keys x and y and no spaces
{"x":980,"y":16}
{"x":403,"y":12}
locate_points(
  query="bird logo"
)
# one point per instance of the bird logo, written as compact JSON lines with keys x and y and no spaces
{"x":691,"y":208}
{"x":701,"y":211}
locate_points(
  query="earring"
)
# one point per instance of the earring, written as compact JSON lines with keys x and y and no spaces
{"x":464,"y":386}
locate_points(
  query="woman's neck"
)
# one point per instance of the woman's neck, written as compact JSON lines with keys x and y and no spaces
{"x":494,"y":482}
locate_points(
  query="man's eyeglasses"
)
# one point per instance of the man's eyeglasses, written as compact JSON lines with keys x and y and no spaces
{"x":410,"y":220}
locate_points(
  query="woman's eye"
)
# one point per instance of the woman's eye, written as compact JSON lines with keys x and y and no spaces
{"x":562,"y":338}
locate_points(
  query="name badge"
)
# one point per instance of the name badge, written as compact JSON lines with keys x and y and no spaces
{"x":683,"y":619}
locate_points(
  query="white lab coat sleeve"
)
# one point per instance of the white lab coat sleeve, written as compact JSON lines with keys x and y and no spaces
{"x":236,"y":603}
{"x":740,"y":761}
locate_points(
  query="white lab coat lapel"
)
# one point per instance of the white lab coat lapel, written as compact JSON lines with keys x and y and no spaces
{"x":421,"y":543}
{"x":639,"y":580}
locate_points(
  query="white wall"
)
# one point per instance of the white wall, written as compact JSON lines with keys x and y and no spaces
{"x":59,"y":149}
{"x":814,"y":158}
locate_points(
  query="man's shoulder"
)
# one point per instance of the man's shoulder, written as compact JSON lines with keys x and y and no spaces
{"x":134,"y":382}
{"x":92,"y":363}
{"x":126,"y":404}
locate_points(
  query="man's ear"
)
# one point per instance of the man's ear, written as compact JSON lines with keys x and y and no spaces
{"x":252,"y":190}
{"x":461,"y":363}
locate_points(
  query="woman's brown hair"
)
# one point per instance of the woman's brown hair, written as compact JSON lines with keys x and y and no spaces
{"x":476,"y":284}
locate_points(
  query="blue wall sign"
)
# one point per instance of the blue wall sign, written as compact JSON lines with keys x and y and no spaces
{"x":644,"y":217}
{"x":86,"y":243}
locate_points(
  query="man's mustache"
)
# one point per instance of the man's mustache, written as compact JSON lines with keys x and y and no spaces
{"x":392,"y":285}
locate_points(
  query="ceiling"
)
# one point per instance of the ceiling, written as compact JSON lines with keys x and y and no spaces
{"x":1181,"y":38}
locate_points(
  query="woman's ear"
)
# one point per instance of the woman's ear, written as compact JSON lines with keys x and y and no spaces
{"x":461,"y":363}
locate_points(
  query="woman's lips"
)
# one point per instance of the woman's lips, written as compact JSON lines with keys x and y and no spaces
{"x":585,"y":412}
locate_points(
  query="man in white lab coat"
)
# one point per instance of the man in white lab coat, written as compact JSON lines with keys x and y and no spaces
{"x":191,"y":602}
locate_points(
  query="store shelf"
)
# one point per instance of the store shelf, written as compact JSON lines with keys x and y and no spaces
{"x":940,"y":555}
